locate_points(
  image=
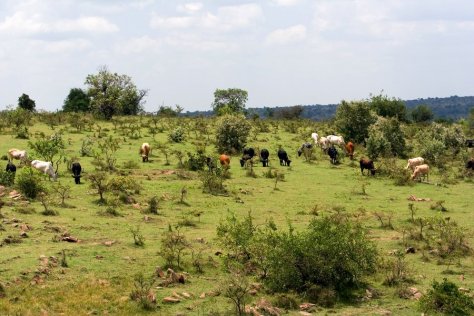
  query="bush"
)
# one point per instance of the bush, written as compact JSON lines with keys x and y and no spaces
{"x":196,"y":161}
{"x":29,"y":183}
{"x":177,"y":135}
{"x":213,"y":181}
{"x":232,"y":132}
{"x":446,"y":298}
{"x":7,"y":178}
{"x":386,"y":139}
{"x":286,"y":300}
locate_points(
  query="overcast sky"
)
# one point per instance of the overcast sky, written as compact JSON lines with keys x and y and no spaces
{"x":283,"y":52}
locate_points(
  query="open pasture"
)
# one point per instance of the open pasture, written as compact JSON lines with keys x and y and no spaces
{"x":46,"y":275}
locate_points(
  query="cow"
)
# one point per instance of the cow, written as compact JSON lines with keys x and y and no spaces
{"x":17,"y":154}
{"x":324,"y":144}
{"x":76,"y":172}
{"x":210,"y":163}
{"x":413,"y":162}
{"x":366,"y":164}
{"x":469,"y":143}
{"x":248,"y":154}
{"x":10,"y":167}
{"x":305,"y":148}
{"x":350,"y":150}
{"x":224,"y":160}
{"x":315,"y":136}
{"x":336,"y":141}
{"x":421,"y":170}
{"x":332,"y":152}
{"x":470,"y":164}
{"x":283,"y":156}
{"x":45,"y":167}
{"x":264,"y":154}
{"x":145,"y":151}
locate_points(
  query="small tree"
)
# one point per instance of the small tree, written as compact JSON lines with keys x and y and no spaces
{"x":232,"y":132}
{"x":25,"y":103}
{"x":229,"y":101}
{"x":99,"y":182}
{"x":77,"y":101}
{"x":49,"y":148}
{"x":353,"y":120}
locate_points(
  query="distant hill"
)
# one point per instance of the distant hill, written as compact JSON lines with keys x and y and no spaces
{"x":448,"y":108}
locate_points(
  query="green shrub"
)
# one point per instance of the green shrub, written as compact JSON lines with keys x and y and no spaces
{"x":29,"y":183}
{"x":196,"y":161}
{"x":213,"y":181}
{"x":7,"y":178}
{"x":286,"y":300}
{"x":232,"y":132}
{"x":446,"y":298}
{"x":177,"y":135}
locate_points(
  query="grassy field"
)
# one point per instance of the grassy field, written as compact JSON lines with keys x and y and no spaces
{"x":101,"y":267}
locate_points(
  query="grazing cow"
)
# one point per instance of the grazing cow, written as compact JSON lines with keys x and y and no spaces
{"x":470,"y":164}
{"x":10,"y":167}
{"x":45,"y":167}
{"x":350,"y":150}
{"x":17,"y":154}
{"x":145,"y":151}
{"x":264,"y":154}
{"x":332,"y":152}
{"x":76,"y":172}
{"x":469,"y":143}
{"x":413,"y":162}
{"x":336,"y":141}
{"x":324,"y":144}
{"x":421,"y":170}
{"x":315,"y":136}
{"x":224,"y":160}
{"x":306,"y":148}
{"x":248,"y":154}
{"x":283,"y":156}
{"x":367,"y":164}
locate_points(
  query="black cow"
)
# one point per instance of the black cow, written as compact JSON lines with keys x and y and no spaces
{"x":332,"y":152}
{"x":283,"y":156}
{"x":470,"y":164}
{"x":264,"y":154}
{"x":249,"y":153}
{"x":10,"y":167}
{"x":305,"y":146}
{"x":367,"y":164}
{"x":470,"y":143}
{"x":76,"y":172}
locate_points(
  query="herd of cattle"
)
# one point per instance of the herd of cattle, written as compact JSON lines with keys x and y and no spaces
{"x":328,"y":145}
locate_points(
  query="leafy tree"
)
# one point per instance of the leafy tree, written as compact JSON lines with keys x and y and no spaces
{"x":232,"y":133}
{"x":24,"y":102}
{"x":386,"y":107}
{"x":18,"y":117}
{"x":113,"y":94}
{"x":77,"y":101}
{"x":49,"y":149}
{"x":229,"y":101}
{"x":386,"y":139}
{"x":421,"y":114}
{"x":353,"y":120}
{"x":168,"y":111}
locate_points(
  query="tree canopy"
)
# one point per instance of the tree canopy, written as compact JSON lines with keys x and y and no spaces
{"x":113,"y":94}
{"x":388,"y":107}
{"x":77,"y":101}
{"x":422,"y":113}
{"x":26,"y":103}
{"x":353,"y":120}
{"x":229,"y":101}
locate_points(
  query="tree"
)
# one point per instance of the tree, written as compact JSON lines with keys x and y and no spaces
{"x":49,"y":149}
{"x":113,"y":94}
{"x":77,"y":101}
{"x":229,"y":101}
{"x":386,"y":139}
{"x":26,"y":103}
{"x":353,"y":120}
{"x":421,"y":114}
{"x":386,"y":107}
{"x":168,"y":111}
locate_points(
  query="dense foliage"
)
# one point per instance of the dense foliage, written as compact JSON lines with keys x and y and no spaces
{"x":25,"y":103}
{"x":77,"y":101}
{"x":446,"y":298}
{"x":353,"y":120}
{"x":229,"y":101}
{"x":231,"y":134}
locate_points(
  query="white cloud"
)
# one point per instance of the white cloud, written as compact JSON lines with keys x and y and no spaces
{"x":288,"y":35}
{"x":286,"y":3}
{"x":85,"y":24}
{"x":190,"y":8}
{"x":139,"y":45}
{"x":174,"y":22}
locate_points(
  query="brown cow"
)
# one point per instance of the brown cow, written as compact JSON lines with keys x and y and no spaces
{"x":224,"y":160}
{"x":367,"y":164}
{"x":421,"y":170}
{"x":145,"y":151}
{"x":350,"y":149}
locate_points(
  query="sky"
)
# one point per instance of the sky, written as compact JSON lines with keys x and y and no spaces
{"x":282,"y":52}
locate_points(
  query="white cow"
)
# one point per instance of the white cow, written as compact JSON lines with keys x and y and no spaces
{"x":323,"y":143}
{"x":315,"y":137}
{"x":337,"y":141}
{"x":421,"y":170}
{"x":17,"y":154}
{"x":45,"y":167}
{"x":413,"y":162}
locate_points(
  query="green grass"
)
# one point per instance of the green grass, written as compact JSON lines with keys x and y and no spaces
{"x":99,"y":278}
